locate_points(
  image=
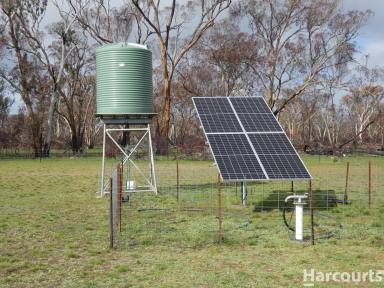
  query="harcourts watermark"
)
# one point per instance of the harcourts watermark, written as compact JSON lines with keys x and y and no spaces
{"x":311,"y":277}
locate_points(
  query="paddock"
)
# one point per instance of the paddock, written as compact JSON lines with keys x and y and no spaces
{"x":53,"y":224}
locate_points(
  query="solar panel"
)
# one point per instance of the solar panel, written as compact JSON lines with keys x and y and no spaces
{"x":213,"y":123}
{"x":239,"y":167}
{"x":234,"y":156}
{"x":250,"y":105}
{"x":247,"y":141}
{"x":213,"y":105}
{"x":217,"y":115}
{"x":229,"y":144}
{"x":284,"y":167}
{"x":259,"y":122}
{"x":271,"y":143}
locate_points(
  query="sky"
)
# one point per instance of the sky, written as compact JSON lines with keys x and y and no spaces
{"x":371,"y":38}
{"x":369,"y":42}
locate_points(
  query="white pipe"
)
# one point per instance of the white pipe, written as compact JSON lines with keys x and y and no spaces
{"x":299,"y":214}
{"x":299,"y":222}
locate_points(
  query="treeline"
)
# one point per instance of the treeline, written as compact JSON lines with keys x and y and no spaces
{"x":300,"y":55}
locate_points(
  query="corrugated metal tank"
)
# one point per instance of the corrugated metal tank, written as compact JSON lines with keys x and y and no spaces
{"x":123,"y":79}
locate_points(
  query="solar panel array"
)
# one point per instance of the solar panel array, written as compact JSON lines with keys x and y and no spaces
{"x":247,"y":141}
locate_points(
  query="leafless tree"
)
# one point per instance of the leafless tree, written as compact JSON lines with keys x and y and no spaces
{"x":363,"y":103}
{"x":169,"y":25}
{"x":76,"y":97}
{"x":297,"y":42}
{"x":104,"y":22}
{"x":226,"y":49}
{"x":24,"y":78}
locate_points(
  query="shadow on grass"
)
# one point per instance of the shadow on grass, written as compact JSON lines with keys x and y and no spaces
{"x":322,"y":200}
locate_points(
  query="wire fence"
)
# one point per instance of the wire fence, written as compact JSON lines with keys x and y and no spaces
{"x":348,"y":201}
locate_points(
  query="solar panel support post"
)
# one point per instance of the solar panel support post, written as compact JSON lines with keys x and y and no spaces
{"x":244,"y":193}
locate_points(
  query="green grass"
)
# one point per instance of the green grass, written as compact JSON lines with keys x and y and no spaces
{"x":54,"y":231}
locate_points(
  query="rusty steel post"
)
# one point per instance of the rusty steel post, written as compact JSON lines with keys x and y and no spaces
{"x":310,"y":194}
{"x":369,"y":184}
{"x":111,"y":244}
{"x":346,"y":186}
{"x":219,"y":212}
{"x":119,"y":193}
{"x":177,"y":182}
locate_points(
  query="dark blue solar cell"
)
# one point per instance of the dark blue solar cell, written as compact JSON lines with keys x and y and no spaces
{"x":271,"y":143}
{"x":259,"y":122}
{"x":229,"y":144}
{"x":239,"y":167}
{"x":214,"y":123}
{"x":284,"y":167}
{"x":212,"y":105}
{"x":249,"y":105}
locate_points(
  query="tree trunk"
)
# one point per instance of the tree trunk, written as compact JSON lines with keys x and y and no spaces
{"x":48,"y":138}
{"x":166,"y":108}
{"x":166,"y":118}
{"x":24,"y":91}
{"x":36,"y":138}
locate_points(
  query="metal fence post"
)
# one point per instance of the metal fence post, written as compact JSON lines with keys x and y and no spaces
{"x":111,"y":240}
{"x":310,"y":194}
{"x":346,"y":185}
{"x":369,"y":184}
{"x":219,"y":212}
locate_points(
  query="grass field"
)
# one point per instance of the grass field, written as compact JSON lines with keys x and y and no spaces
{"x":54,"y":231}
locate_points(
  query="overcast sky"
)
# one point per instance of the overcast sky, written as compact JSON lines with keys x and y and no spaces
{"x":370,"y":41}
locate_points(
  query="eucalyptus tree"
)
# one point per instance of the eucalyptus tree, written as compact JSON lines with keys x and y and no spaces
{"x":20,"y":19}
{"x":28,"y":43}
{"x":169,"y":25}
{"x":364,"y":103}
{"x":297,"y":42}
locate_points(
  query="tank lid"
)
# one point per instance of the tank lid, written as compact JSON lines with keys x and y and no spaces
{"x":121,"y":45}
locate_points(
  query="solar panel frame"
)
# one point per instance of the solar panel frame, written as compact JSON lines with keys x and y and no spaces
{"x":307,"y":175}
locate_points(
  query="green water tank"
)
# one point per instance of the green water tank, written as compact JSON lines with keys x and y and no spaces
{"x":123,"y":79}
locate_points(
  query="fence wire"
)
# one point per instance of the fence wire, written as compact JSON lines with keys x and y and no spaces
{"x":186,"y":209}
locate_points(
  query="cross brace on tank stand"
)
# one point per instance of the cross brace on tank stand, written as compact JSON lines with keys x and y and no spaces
{"x":141,"y":125}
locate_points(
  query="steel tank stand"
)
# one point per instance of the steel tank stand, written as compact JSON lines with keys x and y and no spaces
{"x":128,"y":161}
